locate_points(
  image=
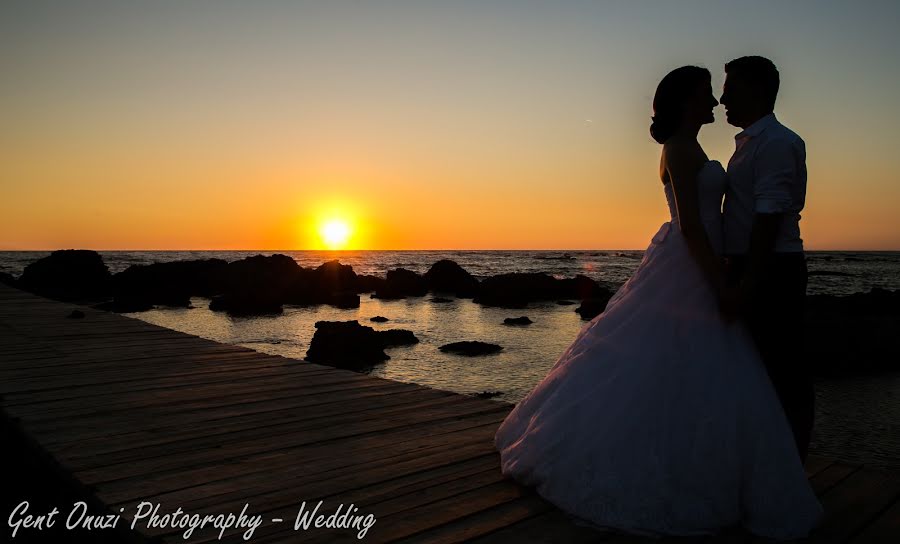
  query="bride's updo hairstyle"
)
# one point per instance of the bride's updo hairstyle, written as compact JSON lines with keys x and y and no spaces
{"x":672,"y":93}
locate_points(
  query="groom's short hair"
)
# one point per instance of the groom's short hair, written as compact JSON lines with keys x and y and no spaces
{"x":759,"y":72}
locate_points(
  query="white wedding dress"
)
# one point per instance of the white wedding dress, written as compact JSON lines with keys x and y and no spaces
{"x":660,"y":418}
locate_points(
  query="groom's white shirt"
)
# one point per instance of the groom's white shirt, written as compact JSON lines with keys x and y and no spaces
{"x":766,"y":174}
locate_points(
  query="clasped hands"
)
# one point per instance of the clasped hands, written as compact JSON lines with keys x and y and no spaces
{"x":733,"y":300}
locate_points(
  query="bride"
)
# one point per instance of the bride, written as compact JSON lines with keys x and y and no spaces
{"x":660,"y":418}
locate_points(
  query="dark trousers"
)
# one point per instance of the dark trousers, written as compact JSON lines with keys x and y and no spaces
{"x":774,"y":316}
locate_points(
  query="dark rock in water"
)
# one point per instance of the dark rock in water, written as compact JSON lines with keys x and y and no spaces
{"x":334,"y":277}
{"x":471,"y":348}
{"x":582,"y":287}
{"x":876,"y":302}
{"x":76,"y":314}
{"x":246,"y":304}
{"x":855,"y":334}
{"x":397,"y":337}
{"x":517,"y":321}
{"x":487,"y":394}
{"x":367,"y":283}
{"x":140,"y":287}
{"x":125,"y":305}
{"x":440,"y":299}
{"x":259,"y":285}
{"x":592,"y":307}
{"x":343,"y":299}
{"x":401,"y":283}
{"x":517,"y":289}
{"x":565,"y":302}
{"x":446,"y":276}
{"x":331,"y":283}
{"x":379,"y":319}
{"x":7,"y":279}
{"x":69,"y":275}
{"x":346,"y":344}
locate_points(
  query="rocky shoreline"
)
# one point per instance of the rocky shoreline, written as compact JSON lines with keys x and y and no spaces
{"x":844,"y":334}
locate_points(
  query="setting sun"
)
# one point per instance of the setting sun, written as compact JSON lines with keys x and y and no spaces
{"x":335,"y":233}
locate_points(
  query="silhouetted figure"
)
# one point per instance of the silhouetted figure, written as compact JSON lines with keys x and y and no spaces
{"x":766,"y":191}
{"x":660,"y":418}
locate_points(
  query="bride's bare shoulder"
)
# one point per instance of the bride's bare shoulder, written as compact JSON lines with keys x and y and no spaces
{"x":680,"y":155}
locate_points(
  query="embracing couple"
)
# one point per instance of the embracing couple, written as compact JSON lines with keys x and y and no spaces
{"x":686,"y":407}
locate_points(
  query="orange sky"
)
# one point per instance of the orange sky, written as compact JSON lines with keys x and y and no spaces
{"x":478,"y":127}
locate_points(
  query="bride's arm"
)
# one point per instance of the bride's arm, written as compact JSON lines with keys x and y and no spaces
{"x":683,"y":163}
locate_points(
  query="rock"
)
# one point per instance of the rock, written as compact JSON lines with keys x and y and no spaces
{"x":582,"y":287}
{"x":8,"y":279}
{"x":592,"y":307}
{"x":140,"y":287}
{"x":346,"y":344}
{"x":876,"y":302}
{"x":471,"y":348}
{"x":517,"y":321}
{"x":401,"y":283}
{"x":517,"y":289}
{"x":439,"y":300}
{"x":487,"y":394}
{"x":241,"y":304}
{"x":379,"y":319}
{"x":852,"y":335}
{"x":334,"y":277}
{"x":125,"y":305}
{"x":366,"y":283}
{"x":68,"y":275}
{"x":260,"y":285}
{"x":76,"y":314}
{"x":397,"y":337}
{"x":447,"y":276}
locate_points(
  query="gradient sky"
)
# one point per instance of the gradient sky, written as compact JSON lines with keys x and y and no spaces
{"x":428,"y":125}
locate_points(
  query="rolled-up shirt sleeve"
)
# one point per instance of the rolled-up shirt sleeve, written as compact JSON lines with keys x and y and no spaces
{"x":778,"y":167}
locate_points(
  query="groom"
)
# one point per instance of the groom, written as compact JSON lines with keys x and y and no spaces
{"x":763,"y":248}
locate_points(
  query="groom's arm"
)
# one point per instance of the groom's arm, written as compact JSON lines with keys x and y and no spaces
{"x":762,"y":246}
{"x":776,"y":173}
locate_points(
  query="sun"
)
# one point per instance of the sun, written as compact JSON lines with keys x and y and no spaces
{"x":335,"y":233}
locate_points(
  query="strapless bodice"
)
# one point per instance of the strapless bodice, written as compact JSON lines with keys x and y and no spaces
{"x":711,"y":184}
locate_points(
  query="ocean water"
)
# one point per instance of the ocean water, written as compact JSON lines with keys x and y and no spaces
{"x":856,"y":418}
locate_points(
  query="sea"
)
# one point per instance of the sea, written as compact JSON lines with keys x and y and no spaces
{"x":858,"y":419}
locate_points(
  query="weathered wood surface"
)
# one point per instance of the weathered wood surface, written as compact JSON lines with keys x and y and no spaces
{"x":137,"y":412}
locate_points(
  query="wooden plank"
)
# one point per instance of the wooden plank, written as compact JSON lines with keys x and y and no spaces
{"x":251,"y":439}
{"x":884,"y":528}
{"x":287,"y":419}
{"x":831,"y":476}
{"x":549,"y":527}
{"x":359,"y":437}
{"x":854,"y":503}
{"x":137,"y":394}
{"x":374,"y":482}
{"x":483,"y":522}
{"x":815,"y":464}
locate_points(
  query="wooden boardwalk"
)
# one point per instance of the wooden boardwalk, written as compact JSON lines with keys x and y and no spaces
{"x":135,"y":412}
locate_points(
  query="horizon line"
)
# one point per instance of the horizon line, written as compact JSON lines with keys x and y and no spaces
{"x":432,"y":249}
